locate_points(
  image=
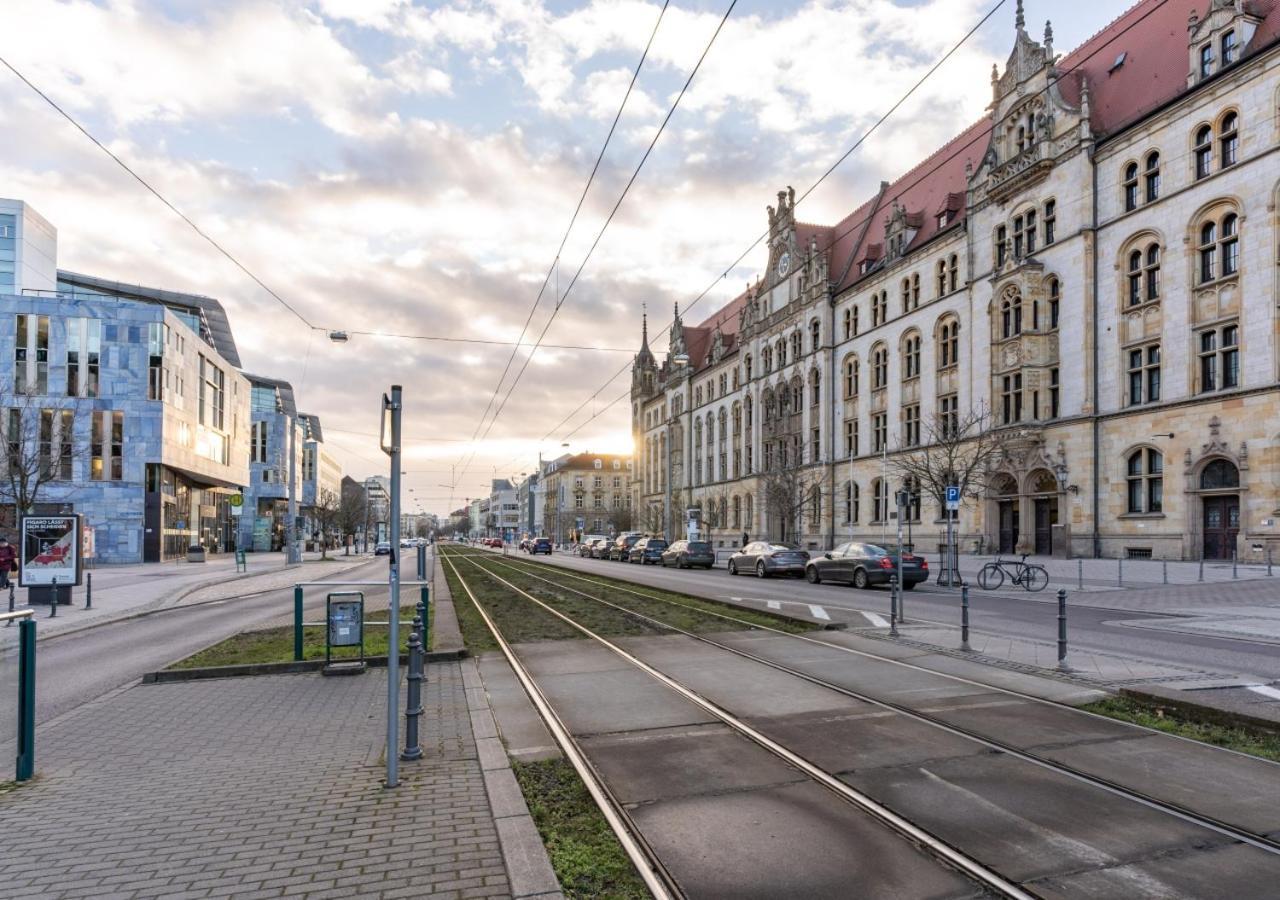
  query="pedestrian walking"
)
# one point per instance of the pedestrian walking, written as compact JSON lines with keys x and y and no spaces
{"x":746,"y":539}
{"x":8,"y":561}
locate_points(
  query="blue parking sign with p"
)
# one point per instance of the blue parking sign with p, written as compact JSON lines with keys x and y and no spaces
{"x":953,"y":496}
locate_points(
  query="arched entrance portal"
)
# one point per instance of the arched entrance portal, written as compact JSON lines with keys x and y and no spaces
{"x":1043,"y":488}
{"x":1220,"y":509}
{"x":1008,"y":516}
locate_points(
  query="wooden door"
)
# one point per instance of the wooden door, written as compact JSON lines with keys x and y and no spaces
{"x":1221,"y":525}
{"x":1046,"y":518}
{"x":1008,"y":525}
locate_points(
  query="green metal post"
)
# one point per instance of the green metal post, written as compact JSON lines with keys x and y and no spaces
{"x":297,"y":623}
{"x":426,"y":622}
{"x":26,"y":699}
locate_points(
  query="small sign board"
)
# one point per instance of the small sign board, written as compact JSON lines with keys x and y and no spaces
{"x":344,"y":627}
{"x":50,"y":549}
{"x":953,"y":497}
{"x":236,"y":502}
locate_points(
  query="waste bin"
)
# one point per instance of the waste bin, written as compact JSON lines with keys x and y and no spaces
{"x":195,"y":553}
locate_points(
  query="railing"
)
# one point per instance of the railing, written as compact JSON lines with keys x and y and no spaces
{"x":26,"y":690}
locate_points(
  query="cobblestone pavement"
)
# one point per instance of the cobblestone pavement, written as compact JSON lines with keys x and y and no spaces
{"x":252,"y":787}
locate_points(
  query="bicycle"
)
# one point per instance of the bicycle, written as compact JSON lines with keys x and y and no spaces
{"x":1030,"y":576}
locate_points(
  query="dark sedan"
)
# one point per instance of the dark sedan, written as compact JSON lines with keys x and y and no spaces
{"x":647,"y":550}
{"x":767,"y":558}
{"x":540,"y":545}
{"x":687,"y":554}
{"x":620,"y":550}
{"x":864,"y":565}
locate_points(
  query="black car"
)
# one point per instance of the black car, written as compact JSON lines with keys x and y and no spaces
{"x":647,"y":550}
{"x":767,"y":558}
{"x":687,"y":554}
{"x":540,"y":545}
{"x":620,"y":549}
{"x":864,"y":565}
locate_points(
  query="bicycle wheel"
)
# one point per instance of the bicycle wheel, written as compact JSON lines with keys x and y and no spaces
{"x":1035,"y":578}
{"x":991,"y":577}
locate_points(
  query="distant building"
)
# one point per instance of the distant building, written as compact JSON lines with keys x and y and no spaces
{"x":321,"y":480}
{"x":504,"y":509}
{"x":130,"y":395}
{"x":586,"y":493}
{"x":377,"y":489}
{"x":274,"y":431}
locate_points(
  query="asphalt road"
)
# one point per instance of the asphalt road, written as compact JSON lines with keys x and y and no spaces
{"x":1003,"y":613}
{"x":72,"y":670}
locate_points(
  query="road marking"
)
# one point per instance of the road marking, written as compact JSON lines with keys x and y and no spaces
{"x":876,"y":620}
{"x":819,"y":613}
{"x":1265,"y":691}
{"x":774,"y":604}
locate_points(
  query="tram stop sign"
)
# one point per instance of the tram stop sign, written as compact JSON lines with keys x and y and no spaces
{"x":953,"y":497}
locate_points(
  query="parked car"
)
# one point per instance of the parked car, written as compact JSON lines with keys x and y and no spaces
{"x":767,"y":558}
{"x":600,"y":549}
{"x":687,"y":554}
{"x":382,"y":548}
{"x":540,"y":545}
{"x":864,"y":565}
{"x":648,"y":550}
{"x":620,"y":549}
{"x":590,"y":539}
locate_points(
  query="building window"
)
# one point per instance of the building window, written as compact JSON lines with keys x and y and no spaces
{"x":212,"y":394}
{"x":797,"y":348}
{"x":746,"y":367}
{"x":906,"y":296}
{"x":815,"y":391}
{"x":848,"y":323}
{"x":879,"y":431}
{"x":850,"y":378}
{"x":1219,"y":248}
{"x":1151,"y":178}
{"x":1144,"y":275}
{"x":1219,"y":358}
{"x":942,"y":277}
{"x":1054,"y":394}
{"x":880,"y":494}
{"x":851,"y":437}
{"x":879,"y":367}
{"x":1204,"y":151}
{"x":1131,"y":187}
{"x":852,"y":502}
{"x":1229,"y":139}
{"x":1206,"y":60}
{"x":1011,"y":398}
{"x":84,"y":344}
{"x":953,"y":272}
{"x":106,"y":445}
{"x":258,"y":442}
{"x":1050,"y":221}
{"x":1144,"y":374}
{"x":31,"y":355}
{"x":1146,"y":482}
{"x":815,"y":335}
{"x":949,"y":343}
{"x":815,"y":445}
{"x":911,"y":425}
{"x":879,"y":308}
{"x":949,"y":415}
{"x":911,"y":356}
{"x":1011,"y":317}
{"x":1055,"y":303}
{"x":1230,"y":48}
{"x":1001,"y":248}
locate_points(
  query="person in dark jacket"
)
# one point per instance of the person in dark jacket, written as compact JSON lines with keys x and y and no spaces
{"x":745,"y":539}
{"x":8,"y":561}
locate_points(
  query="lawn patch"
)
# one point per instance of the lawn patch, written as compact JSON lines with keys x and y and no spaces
{"x":1253,"y":741}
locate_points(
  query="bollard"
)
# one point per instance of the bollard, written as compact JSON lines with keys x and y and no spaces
{"x":1062,"y":630}
{"x":1080,"y":574}
{"x":1200,"y":577}
{"x":1164,"y":570}
{"x":1119,"y":571}
{"x":88,"y":591}
{"x":1234,"y":573}
{"x":424,"y":607}
{"x":1268,"y":560}
{"x":893,"y":605}
{"x":413,"y":700}
{"x":964,"y":618}
{"x":26,"y":699}
{"x":9,"y":622}
{"x":53,"y":607}
{"x":297,"y":623}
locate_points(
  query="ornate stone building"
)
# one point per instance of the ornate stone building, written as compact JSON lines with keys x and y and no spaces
{"x":1093,"y":264}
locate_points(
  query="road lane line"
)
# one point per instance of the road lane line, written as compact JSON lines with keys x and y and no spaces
{"x":819,"y":613}
{"x":1265,"y":691}
{"x":774,"y":604}
{"x":876,"y":620}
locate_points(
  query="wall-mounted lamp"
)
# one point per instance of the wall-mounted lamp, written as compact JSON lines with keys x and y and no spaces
{"x":1168,"y":435}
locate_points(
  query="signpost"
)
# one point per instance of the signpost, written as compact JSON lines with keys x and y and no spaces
{"x":950,"y":556}
{"x":52,"y":556}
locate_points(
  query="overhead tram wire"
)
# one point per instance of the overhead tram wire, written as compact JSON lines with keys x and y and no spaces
{"x":565,"y":238}
{"x":618,"y":205}
{"x":837,"y":236}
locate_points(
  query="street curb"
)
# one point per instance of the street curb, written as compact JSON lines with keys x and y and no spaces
{"x":524,"y":854}
{"x":293,"y":667}
{"x":1159,"y":698}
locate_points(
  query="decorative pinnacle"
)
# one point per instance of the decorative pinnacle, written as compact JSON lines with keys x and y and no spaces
{"x":1020,"y":20}
{"x":1048,"y":36}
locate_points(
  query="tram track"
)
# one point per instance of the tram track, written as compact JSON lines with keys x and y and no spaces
{"x":1227,"y":829}
{"x":641,"y":853}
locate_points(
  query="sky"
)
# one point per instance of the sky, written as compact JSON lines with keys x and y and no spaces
{"x":406,"y":168}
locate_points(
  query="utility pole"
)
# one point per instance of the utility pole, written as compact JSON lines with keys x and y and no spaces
{"x":290,"y":526}
{"x":392,"y":449}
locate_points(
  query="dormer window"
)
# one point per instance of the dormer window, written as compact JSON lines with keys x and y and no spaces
{"x":1230,"y":48}
{"x":942,"y":220}
{"x":1206,"y":60}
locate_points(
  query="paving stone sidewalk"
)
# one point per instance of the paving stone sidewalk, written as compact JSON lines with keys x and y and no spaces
{"x":253,"y":787}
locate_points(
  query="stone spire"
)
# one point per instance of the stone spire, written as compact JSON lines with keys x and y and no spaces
{"x":1019,"y":20}
{"x":1048,"y":39}
{"x":645,"y":356}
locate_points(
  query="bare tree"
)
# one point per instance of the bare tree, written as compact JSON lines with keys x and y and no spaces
{"x":353,"y":508}
{"x":955,"y":451}
{"x":620,"y":519}
{"x":787,"y":489}
{"x":40,"y":446}
{"x":326,"y":513}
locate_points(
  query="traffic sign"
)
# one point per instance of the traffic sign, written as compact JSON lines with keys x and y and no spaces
{"x":236,"y":500}
{"x":953,"y":497}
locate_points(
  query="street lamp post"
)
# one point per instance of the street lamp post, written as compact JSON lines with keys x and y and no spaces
{"x":680,"y":360}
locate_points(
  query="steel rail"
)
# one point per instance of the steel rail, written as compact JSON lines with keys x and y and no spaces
{"x":1226,"y":829}
{"x":659,"y":881}
{"x":904,"y":827}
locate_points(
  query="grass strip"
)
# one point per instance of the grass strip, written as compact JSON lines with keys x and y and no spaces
{"x":584,"y":851}
{"x":1253,"y":741}
{"x":271,"y":645}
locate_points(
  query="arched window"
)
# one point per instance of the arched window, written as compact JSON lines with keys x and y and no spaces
{"x":781,"y":349}
{"x":1144,"y":274}
{"x":911,"y":355}
{"x":1219,"y":474}
{"x":737,"y":512}
{"x":851,"y":377}
{"x":797,"y":347}
{"x":797,"y":395}
{"x":1131,"y":186}
{"x":1152,"y":177}
{"x":1055,"y":303}
{"x":852,"y":502}
{"x":770,"y":407}
{"x":815,"y":387}
{"x":915,"y":291}
{"x":1001,"y":245}
{"x":855,"y":321}
{"x":949,"y":343}
{"x":879,"y":308}
{"x":737,"y":419}
{"x":879,"y":366}
{"x":815,"y":334}
{"x":848,"y":323}
{"x":1011,"y":316}
{"x":880,"y":500}
{"x":747,"y":406}
{"x":953,"y":272}
{"x":906,"y":296}
{"x":1204,"y":151}
{"x":1219,"y":248}
{"x":815,"y":505}
{"x":1229,"y":139}
{"x":942,"y":277}
{"x":767,"y":354}
{"x":1145,"y":481}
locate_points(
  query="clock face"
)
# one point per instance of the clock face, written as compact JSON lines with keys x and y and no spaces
{"x":784,"y":264}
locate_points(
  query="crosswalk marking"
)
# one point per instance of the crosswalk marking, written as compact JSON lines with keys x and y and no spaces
{"x":1265,"y":691}
{"x":819,"y":613}
{"x":774,"y":604}
{"x":876,"y":620}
